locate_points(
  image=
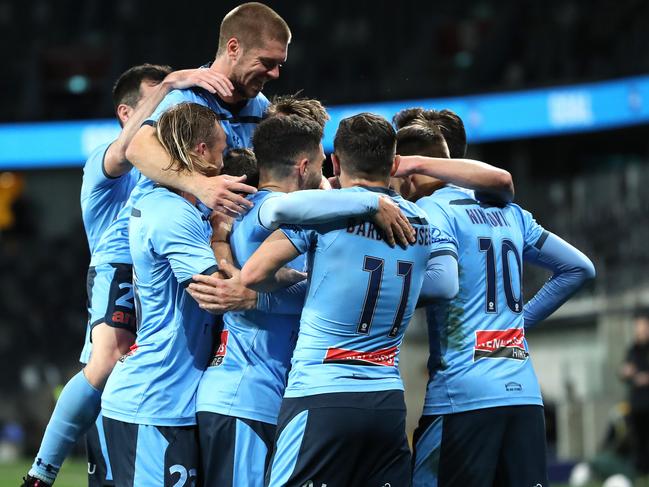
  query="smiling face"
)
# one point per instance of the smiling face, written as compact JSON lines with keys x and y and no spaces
{"x":255,"y":66}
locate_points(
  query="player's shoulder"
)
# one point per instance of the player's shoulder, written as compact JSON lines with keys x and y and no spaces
{"x":188,"y":95}
{"x":256,"y":107}
{"x":520,"y":214}
{"x":251,"y":219}
{"x":159,"y":204}
{"x":96,"y":157}
{"x":449,"y":196}
{"x":411,"y":210}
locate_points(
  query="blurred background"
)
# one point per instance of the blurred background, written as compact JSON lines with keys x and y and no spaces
{"x":556,"y":92}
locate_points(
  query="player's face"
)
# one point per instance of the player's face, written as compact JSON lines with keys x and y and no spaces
{"x":147,"y":87}
{"x":256,"y":66}
{"x":314,"y":173}
{"x":214,"y":152}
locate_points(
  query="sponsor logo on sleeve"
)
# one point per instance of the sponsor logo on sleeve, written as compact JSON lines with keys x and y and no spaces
{"x":507,"y":344}
{"x":219,"y":355}
{"x":383,"y":357}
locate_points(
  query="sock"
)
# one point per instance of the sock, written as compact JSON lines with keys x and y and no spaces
{"x":75,"y":411}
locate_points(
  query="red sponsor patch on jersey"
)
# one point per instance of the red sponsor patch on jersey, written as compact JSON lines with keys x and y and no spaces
{"x":508,"y":343}
{"x":131,"y":351}
{"x":221,"y":350}
{"x":383,"y":357}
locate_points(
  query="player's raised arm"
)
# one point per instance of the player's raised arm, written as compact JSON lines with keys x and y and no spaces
{"x":259,"y":272}
{"x":311,"y":207}
{"x":571,"y":269}
{"x":116,"y":162}
{"x":467,"y":173}
{"x":440,"y":135}
{"x":221,"y":193}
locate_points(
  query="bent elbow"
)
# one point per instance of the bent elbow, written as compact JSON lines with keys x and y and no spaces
{"x":506,"y":184}
{"x":451,"y":290}
{"x":588,"y":271}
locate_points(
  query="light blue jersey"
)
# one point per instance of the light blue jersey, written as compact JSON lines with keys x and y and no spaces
{"x":251,"y":363}
{"x":247,"y":376}
{"x":478,"y":353}
{"x":361,"y":296}
{"x":102,"y":196}
{"x":113,"y":245}
{"x":238,"y":125}
{"x":156,"y":382}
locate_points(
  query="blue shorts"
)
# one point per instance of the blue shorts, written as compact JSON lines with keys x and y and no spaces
{"x":235,"y":452}
{"x":110,"y":300}
{"x":341,"y":439}
{"x":99,"y":471}
{"x":503,"y":446}
{"x":142,"y":455}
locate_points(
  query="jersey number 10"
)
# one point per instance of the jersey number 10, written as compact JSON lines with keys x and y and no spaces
{"x":515,"y":304}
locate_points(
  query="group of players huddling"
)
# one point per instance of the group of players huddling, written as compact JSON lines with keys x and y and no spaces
{"x":298,"y":383}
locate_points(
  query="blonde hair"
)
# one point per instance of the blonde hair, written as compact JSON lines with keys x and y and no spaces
{"x":180,"y":129}
{"x":302,"y":107}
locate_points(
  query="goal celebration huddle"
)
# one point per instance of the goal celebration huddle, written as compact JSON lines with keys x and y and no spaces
{"x":245,"y":313}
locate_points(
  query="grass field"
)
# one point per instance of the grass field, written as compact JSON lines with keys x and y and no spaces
{"x":73,"y":474}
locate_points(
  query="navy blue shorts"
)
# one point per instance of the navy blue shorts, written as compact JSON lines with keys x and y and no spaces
{"x":99,"y":471}
{"x":110,"y":300}
{"x":142,"y":455}
{"x":501,"y":446}
{"x":342,"y":439}
{"x":235,"y":452}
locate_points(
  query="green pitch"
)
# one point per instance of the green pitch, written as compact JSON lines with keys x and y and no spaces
{"x":73,"y":473}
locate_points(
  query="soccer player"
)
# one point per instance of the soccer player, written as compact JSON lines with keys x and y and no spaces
{"x":148,"y":402}
{"x":482,"y":423}
{"x":342,"y":419}
{"x":239,"y":395}
{"x":253,"y":44}
{"x":107,"y":182}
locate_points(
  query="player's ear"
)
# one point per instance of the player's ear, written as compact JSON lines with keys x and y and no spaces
{"x":233,"y":48}
{"x":336,"y":164}
{"x":123,"y":113}
{"x":201,"y":148}
{"x":303,"y":166}
{"x":395,"y":164}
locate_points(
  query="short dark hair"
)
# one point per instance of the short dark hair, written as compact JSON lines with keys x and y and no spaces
{"x":126,"y":89}
{"x":302,"y":107}
{"x":252,"y":24}
{"x":449,"y":122}
{"x":365,"y":145}
{"x":241,"y":162}
{"x":421,"y":137}
{"x":278,"y":142}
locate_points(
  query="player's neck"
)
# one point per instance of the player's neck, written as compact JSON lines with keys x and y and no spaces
{"x":426,"y":188}
{"x":284,"y":186}
{"x":347,"y":181}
